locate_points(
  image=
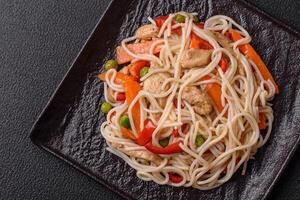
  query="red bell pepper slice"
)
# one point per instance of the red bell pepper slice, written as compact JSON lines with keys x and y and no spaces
{"x":175,"y":133}
{"x":175,"y":178}
{"x":177,"y":31}
{"x":170,"y":149}
{"x":121,"y":96}
{"x":175,"y":103}
{"x":146,"y":134}
{"x":228,"y":35}
{"x":136,"y":67}
{"x":184,"y":129}
{"x":262,"y":121}
{"x":160,"y":20}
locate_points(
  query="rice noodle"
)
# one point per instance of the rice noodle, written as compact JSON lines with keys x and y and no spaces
{"x":232,"y":136}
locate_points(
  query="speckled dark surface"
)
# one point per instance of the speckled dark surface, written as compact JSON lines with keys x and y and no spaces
{"x":38,"y":42}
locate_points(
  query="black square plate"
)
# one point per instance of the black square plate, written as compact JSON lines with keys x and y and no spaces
{"x":69,"y":126}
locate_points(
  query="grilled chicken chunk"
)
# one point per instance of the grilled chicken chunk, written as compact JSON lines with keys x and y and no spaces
{"x":198,"y":100}
{"x":195,"y":58}
{"x":146,"y":32}
{"x":153,"y":84}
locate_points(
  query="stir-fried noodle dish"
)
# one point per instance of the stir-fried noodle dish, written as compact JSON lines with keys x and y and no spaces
{"x":187,"y":102}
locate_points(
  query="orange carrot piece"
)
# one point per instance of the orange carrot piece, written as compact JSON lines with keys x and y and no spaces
{"x":127,"y":133}
{"x":214,"y":91}
{"x":132,"y":88}
{"x":262,"y":121}
{"x":249,"y":51}
{"x":199,"y":43}
{"x":136,"y":48}
{"x":101,"y":76}
{"x":119,"y":77}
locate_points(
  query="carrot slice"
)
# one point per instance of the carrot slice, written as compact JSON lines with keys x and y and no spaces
{"x":170,"y":149}
{"x":119,"y":77}
{"x":249,"y":51}
{"x":136,"y":48}
{"x":199,"y":43}
{"x":215,"y":92}
{"x":127,"y":133}
{"x":132,"y":88}
{"x":101,"y":76}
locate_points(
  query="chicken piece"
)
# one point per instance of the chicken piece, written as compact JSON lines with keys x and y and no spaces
{"x":146,"y":32}
{"x":195,"y":58}
{"x":153,"y":84}
{"x":198,"y":100}
{"x":225,"y":43}
{"x":143,"y":154}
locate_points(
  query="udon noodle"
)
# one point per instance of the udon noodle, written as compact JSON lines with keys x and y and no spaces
{"x":229,"y":136}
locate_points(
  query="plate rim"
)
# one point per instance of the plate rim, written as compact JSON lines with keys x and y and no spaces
{"x":288,"y":27}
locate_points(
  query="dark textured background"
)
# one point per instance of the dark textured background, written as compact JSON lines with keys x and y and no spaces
{"x":38,"y":42}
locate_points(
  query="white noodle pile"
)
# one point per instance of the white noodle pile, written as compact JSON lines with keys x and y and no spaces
{"x":229,"y":141}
